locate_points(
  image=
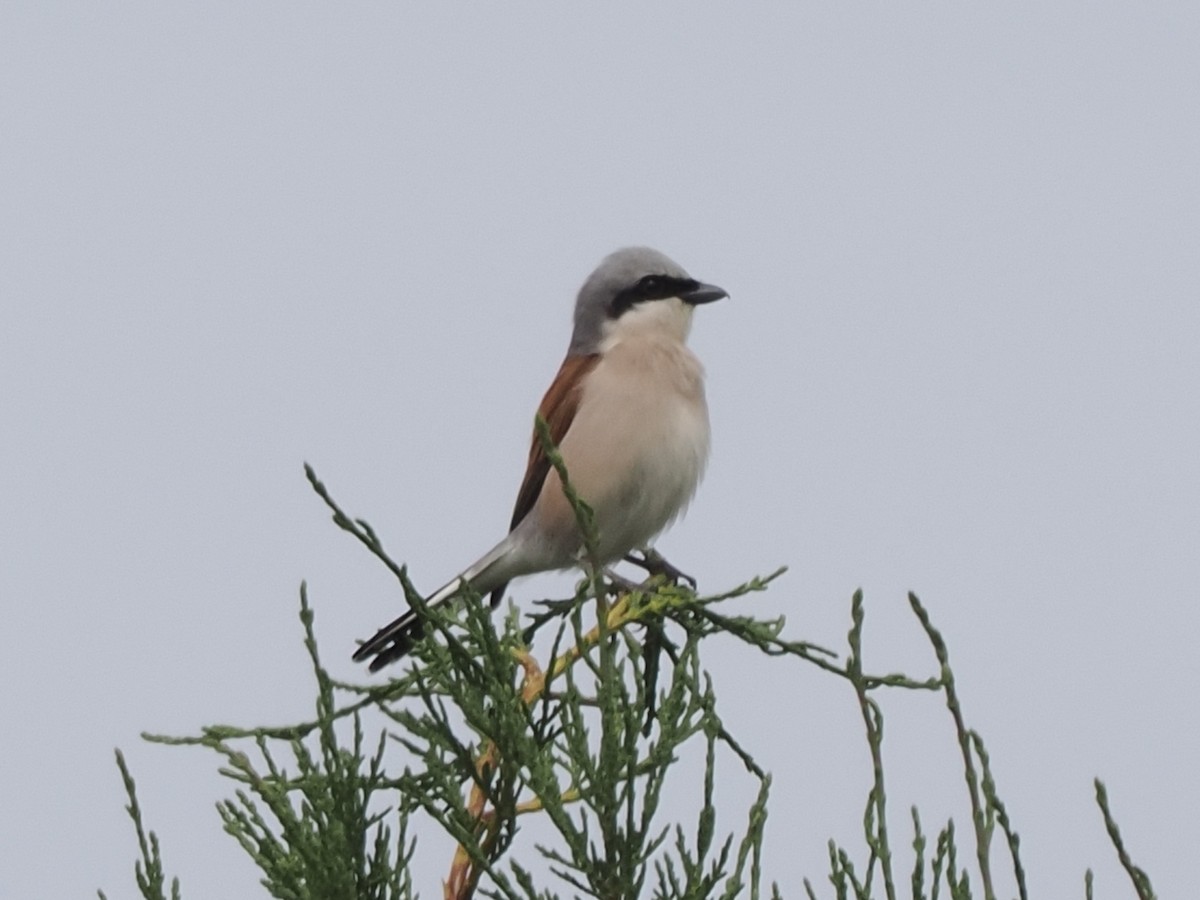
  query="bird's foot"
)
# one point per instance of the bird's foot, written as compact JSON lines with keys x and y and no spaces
{"x":622,"y":585}
{"x":656,"y":564}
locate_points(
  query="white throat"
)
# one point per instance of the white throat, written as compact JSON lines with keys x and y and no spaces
{"x":668,"y":319}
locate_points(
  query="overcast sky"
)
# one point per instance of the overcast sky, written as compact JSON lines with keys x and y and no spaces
{"x":960,"y":357}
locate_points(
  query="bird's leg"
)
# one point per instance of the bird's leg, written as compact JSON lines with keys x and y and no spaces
{"x":656,"y":564}
{"x":621,"y":583}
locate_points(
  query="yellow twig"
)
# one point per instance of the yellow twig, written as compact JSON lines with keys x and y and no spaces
{"x":460,"y":883}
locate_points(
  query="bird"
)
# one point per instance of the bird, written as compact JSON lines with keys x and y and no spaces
{"x":628,"y":414}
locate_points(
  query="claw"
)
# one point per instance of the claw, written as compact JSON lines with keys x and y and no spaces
{"x":656,"y":564}
{"x":623,"y":584}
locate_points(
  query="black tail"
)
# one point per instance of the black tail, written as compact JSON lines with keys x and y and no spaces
{"x":391,"y":642}
{"x":394,"y":640}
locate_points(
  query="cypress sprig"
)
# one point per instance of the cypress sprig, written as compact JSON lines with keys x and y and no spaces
{"x":573,"y":718}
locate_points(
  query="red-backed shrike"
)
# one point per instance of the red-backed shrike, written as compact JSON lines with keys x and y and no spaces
{"x":628,"y":414}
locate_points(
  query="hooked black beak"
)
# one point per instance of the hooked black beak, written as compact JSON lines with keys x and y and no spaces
{"x":703,"y":293}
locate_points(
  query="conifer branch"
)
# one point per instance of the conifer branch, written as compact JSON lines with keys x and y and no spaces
{"x":484,"y":736}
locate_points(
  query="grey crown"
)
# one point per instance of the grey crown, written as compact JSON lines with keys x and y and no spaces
{"x":619,"y":271}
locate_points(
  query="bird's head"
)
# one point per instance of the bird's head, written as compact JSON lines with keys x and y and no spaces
{"x":636,"y":291}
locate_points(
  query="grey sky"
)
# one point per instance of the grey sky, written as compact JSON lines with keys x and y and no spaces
{"x":960,"y":358}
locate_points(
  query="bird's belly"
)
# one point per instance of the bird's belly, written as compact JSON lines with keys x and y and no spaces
{"x":638,"y":449}
{"x":660,"y":484}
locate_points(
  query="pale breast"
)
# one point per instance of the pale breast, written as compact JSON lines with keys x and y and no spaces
{"x":638,"y":446}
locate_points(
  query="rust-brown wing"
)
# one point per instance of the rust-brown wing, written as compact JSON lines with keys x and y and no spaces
{"x":558,"y":409}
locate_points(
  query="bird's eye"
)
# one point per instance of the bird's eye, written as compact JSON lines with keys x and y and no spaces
{"x":650,"y":286}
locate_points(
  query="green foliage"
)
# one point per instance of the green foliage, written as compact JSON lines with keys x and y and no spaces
{"x":1141,"y":881}
{"x":487,"y":739}
{"x":148,"y":871}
